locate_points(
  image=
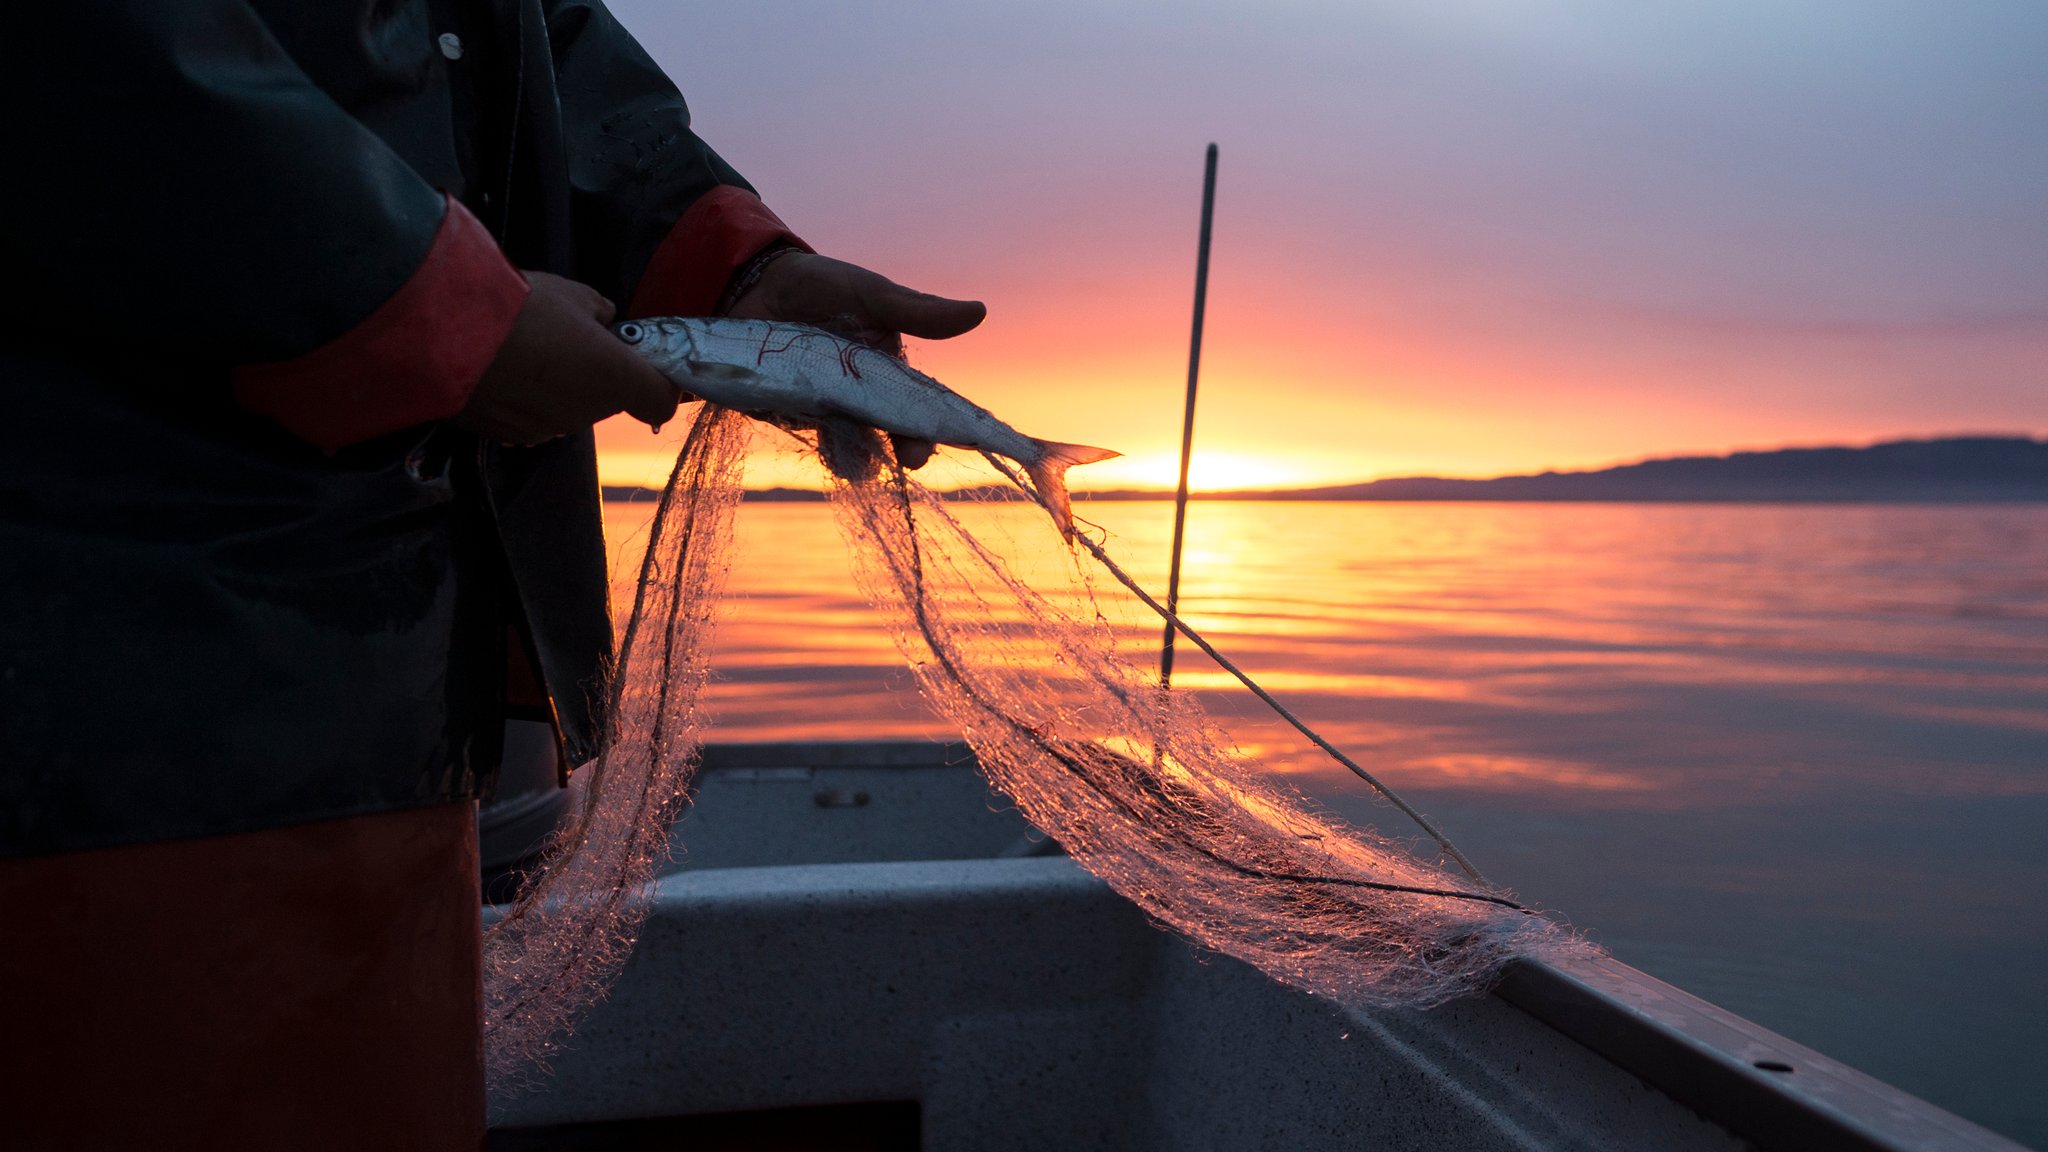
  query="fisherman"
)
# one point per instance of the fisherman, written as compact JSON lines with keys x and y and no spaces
{"x":298,"y":504}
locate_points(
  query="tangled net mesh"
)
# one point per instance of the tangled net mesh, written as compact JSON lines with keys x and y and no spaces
{"x":1137,"y":783}
{"x":557,"y":949}
{"x":1142,"y":789}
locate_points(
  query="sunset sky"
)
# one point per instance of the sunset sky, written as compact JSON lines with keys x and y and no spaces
{"x":1462,"y":237}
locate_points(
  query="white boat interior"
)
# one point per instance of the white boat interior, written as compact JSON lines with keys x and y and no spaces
{"x":859,"y":946}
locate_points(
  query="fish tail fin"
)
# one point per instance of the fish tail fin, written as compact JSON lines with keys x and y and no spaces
{"x":1049,"y":475}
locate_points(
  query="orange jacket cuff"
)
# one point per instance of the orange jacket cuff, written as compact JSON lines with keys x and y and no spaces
{"x":724,"y":229}
{"x":415,"y":359}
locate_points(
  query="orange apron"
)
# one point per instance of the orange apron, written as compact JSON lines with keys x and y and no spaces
{"x":308,"y":987}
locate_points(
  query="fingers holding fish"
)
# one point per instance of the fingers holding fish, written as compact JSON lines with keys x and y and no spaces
{"x":860,"y":305}
{"x":560,"y":371}
{"x":911,"y":452}
{"x":811,"y":289}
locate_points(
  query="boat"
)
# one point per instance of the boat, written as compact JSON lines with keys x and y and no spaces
{"x":859,"y":946}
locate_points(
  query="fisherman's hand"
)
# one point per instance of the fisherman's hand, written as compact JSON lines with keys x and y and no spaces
{"x":561,"y":370}
{"x":805,"y":288}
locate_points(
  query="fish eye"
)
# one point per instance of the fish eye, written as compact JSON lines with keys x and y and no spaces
{"x":632,"y":333}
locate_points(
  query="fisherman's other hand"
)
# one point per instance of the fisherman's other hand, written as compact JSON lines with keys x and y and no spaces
{"x":806,"y":288}
{"x":562,"y":370}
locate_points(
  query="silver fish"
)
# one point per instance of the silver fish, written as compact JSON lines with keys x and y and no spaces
{"x":794,"y":373}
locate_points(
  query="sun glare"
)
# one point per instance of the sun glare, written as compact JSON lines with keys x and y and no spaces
{"x":1207,"y":472}
{"x":632,"y":457}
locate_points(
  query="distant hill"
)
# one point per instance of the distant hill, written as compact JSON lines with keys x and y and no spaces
{"x":1960,"y":468}
{"x":1956,"y":469}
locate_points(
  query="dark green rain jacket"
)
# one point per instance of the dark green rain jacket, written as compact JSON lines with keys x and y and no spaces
{"x":248,"y":576}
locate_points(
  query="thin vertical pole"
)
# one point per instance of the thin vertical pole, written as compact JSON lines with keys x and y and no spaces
{"x":1187,"y":428}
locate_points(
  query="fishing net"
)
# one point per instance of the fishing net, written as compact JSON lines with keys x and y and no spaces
{"x":1137,"y":783}
{"x":1142,"y":789}
{"x":557,"y":949}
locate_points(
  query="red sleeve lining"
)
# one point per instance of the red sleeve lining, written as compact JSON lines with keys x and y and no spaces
{"x":413,"y":360}
{"x":724,"y":229}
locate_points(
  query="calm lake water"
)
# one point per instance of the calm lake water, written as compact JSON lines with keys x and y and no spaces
{"x":1791,"y":758}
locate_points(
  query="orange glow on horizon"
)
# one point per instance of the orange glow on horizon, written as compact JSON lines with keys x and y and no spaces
{"x":1317,"y":373}
{"x":1207,"y":472}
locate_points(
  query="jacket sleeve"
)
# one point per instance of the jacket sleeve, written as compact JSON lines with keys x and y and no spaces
{"x":662,"y":221}
{"x":180,"y":183}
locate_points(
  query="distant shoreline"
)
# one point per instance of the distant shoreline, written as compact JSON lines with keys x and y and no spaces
{"x":1949,"y":470}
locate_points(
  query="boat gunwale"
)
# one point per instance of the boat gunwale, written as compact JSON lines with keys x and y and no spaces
{"x":1733,"y":1072}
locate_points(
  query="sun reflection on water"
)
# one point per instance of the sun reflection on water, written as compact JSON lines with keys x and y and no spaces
{"x":1587,"y":651}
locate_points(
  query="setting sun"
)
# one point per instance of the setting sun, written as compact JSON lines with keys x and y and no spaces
{"x":1207,"y":472}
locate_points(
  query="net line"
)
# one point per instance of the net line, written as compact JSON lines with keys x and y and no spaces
{"x":1116,"y":570}
{"x":556,"y":950}
{"x":1145,"y":791}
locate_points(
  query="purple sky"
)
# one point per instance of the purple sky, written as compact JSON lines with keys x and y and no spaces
{"x":1455,"y":237}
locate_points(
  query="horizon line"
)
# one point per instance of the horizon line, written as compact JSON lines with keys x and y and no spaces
{"x":1168,"y":492}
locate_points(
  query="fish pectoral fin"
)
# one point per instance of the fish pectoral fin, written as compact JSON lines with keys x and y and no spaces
{"x":713,"y":370}
{"x":1049,"y":475}
{"x":724,"y":384}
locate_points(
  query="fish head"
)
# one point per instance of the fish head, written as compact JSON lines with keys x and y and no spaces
{"x":672,"y":345}
{"x":663,"y":341}
{"x":711,"y":359}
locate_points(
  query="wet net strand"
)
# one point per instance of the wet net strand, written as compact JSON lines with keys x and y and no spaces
{"x":556,"y":950}
{"x":965,"y":682}
{"x":1142,"y":789}
{"x":1181,"y":626}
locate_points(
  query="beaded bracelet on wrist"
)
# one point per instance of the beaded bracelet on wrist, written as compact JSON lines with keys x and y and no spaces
{"x":750,"y":274}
